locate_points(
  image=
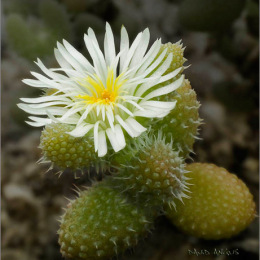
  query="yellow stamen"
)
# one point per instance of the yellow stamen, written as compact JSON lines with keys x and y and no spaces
{"x":101,"y":94}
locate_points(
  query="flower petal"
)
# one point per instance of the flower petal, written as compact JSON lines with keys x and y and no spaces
{"x":48,"y":72}
{"x":134,"y":125}
{"x":170,"y":75}
{"x":43,"y":99}
{"x":96,"y":135}
{"x":159,"y":104}
{"x":140,"y":51}
{"x":69,"y":58}
{"x":109,"y":45}
{"x":102,"y":144}
{"x":81,"y":130}
{"x":79,"y":57}
{"x":124,"y":47}
{"x":131,"y":52}
{"x":165,"y":90}
{"x":125,"y":126}
{"x":149,"y":57}
{"x":116,"y":138}
{"x":42,"y":111}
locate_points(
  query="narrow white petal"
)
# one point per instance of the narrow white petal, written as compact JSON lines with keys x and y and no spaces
{"x":42,"y":111}
{"x":158,"y":104}
{"x":68,"y":57}
{"x":149,"y":57}
{"x":164,"y":66}
{"x":98,"y":109}
{"x":72,"y":73}
{"x":70,"y":112}
{"x":51,"y":116}
{"x":155,"y":63}
{"x":125,"y":126}
{"x":165,"y":90}
{"x":43,"y":99}
{"x":170,"y":75}
{"x":35,"y":124}
{"x":72,"y":120}
{"x":48,"y":72}
{"x":81,"y":130}
{"x":150,"y":113}
{"x":93,"y":37}
{"x":134,"y":104}
{"x":35,"y":83}
{"x":109,"y":109}
{"x":124,"y":47}
{"x":125,"y":109}
{"x":103,"y":113}
{"x":96,"y":47}
{"x":144,"y":87}
{"x":134,"y":125}
{"x":45,"y":80}
{"x":110,"y":120}
{"x":120,"y":136}
{"x":116,"y":138}
{"x":131,"y":51}
{"x":79,"y":57}
{"x":97,"y":57}
{"x":102,"y":144}
{"x":85,"y":114}
{"x":96,"y":135}
{"x":140,"y":51}
{"x":114,"y":62}
{"x":48,"y":104}
{"x":40,"y":119}
{"x":109,"y":45}
{"x":112,"y":138}
{"x":62,"y":62}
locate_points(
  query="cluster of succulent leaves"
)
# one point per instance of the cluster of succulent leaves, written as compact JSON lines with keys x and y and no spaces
{"x":147,"y":178}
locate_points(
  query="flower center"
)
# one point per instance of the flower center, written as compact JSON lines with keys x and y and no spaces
{"x":107,"y":96}
{"x":100,"y":93}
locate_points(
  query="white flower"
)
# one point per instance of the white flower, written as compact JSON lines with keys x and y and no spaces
{"x":108,"y":97}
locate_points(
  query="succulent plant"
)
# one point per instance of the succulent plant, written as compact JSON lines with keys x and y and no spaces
{"x":133,"y":115}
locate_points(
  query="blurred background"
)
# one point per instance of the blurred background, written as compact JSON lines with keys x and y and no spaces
{"x":222,"y":39}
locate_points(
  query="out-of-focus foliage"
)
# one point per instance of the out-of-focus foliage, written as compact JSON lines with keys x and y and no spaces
{"x":209,"y":15}
{"x":253,"y":17}
{"x":33,"y":37}
{"x":243,"y":101}
{"x":85,"y":20}
{"x":29,"y":39}
{"x":77,"y":6}
{"x":56,"y":19}
{"x":25,"y":7}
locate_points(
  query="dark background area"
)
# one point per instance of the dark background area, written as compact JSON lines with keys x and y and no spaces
{"x":221,"y":39}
